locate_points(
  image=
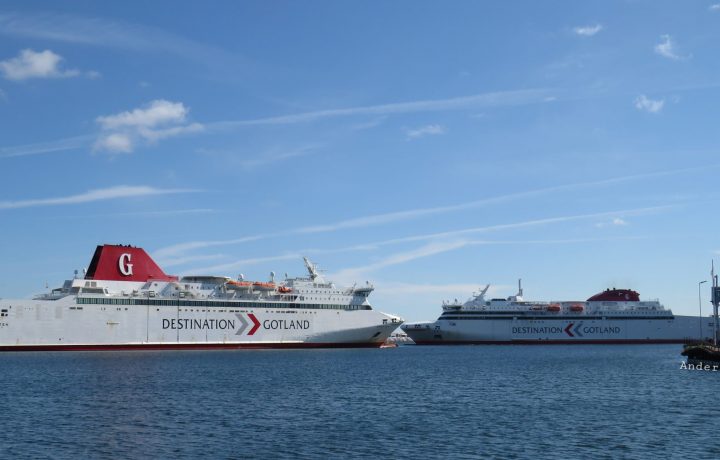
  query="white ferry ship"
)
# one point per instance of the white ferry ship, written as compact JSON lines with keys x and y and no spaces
{"x":125,"y":301}
{"x":612,"y":316}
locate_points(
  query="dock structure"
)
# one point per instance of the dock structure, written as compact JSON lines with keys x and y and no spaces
{"x":705,"y":353}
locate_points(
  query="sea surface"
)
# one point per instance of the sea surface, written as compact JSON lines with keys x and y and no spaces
{"x":408,"y":402}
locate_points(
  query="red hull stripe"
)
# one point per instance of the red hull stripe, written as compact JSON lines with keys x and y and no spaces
{"x":186,"y":346}
{"x":552,"y":342}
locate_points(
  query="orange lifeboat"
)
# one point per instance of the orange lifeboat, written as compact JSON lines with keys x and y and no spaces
{"x":577,"y":307}
{"x":263,"y":286}
{"x":239,"y":285}
{"x":284,"y":289}
{"x":554,"y":307}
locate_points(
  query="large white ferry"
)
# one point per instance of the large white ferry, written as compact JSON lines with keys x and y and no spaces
{"x":612,"y":316}
{"x":125,"y":301}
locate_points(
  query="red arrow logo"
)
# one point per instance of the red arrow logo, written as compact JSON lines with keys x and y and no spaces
{"x":567,"y":330}
{"x":256,"y":324}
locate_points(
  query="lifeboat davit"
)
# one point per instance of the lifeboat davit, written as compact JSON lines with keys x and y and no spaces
{"x":555,"y":307}
{"x":577,"y":307}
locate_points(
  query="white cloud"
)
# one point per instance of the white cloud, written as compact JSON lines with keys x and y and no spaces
{"x":35,"y":64}
{"x":115,"y":142}
{"x":667,"y":48}
{"x":588,"y":31}
{"x":714,"y":7}
{"x":156,"y":113}
{"x":121,"y":191}
{"x":425,"y":131}
{"x":642,"y":102}
{"x":160,"y":119}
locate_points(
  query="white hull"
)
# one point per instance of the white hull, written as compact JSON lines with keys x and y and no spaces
{"x":677,"y":329}
{"x":64,"y":324}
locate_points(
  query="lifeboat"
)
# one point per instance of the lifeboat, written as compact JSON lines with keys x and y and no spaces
{"x":577,"y":307}
{"x":260,"y":286}
{"x":537,"y":307}
{"x":554,"y":307}
{"x":239,"y":285}
{"x":284,"y":289}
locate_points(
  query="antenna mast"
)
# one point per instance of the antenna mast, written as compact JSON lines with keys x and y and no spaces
{"x":715,"y":302}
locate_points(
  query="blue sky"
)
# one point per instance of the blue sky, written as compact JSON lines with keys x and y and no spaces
{"x":427,"y":147}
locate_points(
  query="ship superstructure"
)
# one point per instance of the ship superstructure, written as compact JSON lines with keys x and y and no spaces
{"x":124,"y":300}
{"x":612,"y":316}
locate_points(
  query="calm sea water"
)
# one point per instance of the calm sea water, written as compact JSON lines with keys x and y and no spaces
{"x":409,"y":402}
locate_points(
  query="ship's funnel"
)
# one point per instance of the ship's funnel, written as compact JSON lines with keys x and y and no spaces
{"x":124,"y":263}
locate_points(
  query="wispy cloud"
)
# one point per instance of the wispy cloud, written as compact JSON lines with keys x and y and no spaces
{"x":667,"y":48}
{"x":494,"y":99}
{"x":35,"y":64}
{"x":380,"y":219}
{"x":588,"y":31}
{"x":157,"y":120}
{"x":714,"y":7}
{"x":424,"y":131}
{"x":178,"y":249}
{"x":111,"y":193}
{"x":616,"y":222}
{"x":452,"y":289}
{"x":646,"y":104}
{"x":123,"y":137}
{"x":523,"y":224}
{"x":376,"y":121}
{"x":97,"y":31}
{"x":163,"y":213}
{"x":353,"y":274}
{"x":274,"y":155}
{"x":430,"y":249}
{"x":70,"y":143}
{"x":190,"y":259}
{"x":242,"y":264}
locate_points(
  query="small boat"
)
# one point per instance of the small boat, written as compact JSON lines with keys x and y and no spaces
{"x":554,"y":307}
{"x":284,"y":289}
{"x":577,"y":307}
{"x":701,"y":353}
